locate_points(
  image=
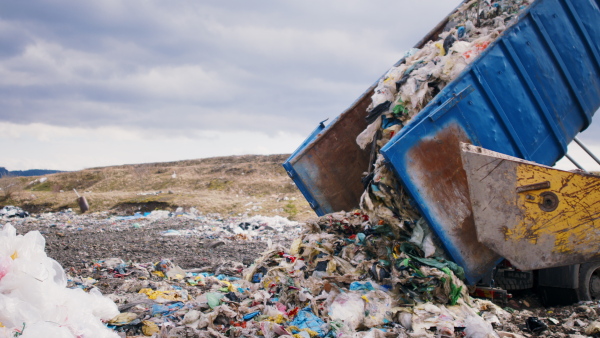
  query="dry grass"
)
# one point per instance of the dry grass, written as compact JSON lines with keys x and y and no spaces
{"x":251,"y":184}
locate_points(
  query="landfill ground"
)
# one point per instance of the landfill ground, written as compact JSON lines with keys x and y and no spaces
{"x":79,"y":241}
{"x":82,"y":244}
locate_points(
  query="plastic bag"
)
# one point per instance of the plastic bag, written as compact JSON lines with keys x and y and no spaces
{"x":378,"y":308}
{"x":366,"y":136}
{"x":593,"y":328}
{"x":348,"y":308}
{"x":214,"y":299}
{"x":306,"y":320}
{"x":34,"y":300}
{"x":476,"y":327}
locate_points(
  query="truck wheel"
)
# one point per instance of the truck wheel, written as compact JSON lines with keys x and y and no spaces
{"x":589,"y":281}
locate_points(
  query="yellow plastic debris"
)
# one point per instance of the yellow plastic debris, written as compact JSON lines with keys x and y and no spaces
{"x":268,"y":281}
{"x":309,"y":331}
{"x":149,"y":328}
{"x":229,"y":286}
{"x":279,"y":319}
{"x":440,"y":46}
{"x":159,"y":273}
{"x":168,"y":294}
{"x":123,"y":318}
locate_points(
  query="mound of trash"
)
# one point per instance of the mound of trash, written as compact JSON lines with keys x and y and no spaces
{"x":10,"y":211}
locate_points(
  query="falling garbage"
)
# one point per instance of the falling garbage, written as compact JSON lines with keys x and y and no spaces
{"x":406,"y":89}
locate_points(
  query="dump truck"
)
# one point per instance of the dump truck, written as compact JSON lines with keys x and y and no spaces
{"x":524,"y":98}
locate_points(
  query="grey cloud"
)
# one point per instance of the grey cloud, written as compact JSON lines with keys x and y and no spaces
{"x":270,"y":65}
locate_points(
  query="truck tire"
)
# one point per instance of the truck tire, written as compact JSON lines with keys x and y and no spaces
{"x":502,"y":279}
{"x":589,"y":281}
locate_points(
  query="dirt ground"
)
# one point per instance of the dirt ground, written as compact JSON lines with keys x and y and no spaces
{"x":80,"y":242}
{"x":78,"y":248}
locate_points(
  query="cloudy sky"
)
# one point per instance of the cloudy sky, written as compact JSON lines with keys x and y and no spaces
{"x":95,"y":83}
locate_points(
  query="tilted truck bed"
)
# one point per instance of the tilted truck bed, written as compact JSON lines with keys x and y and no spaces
{"x":527,"y":95}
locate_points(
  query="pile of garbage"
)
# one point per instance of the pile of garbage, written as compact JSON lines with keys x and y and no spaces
{"x":413,"y":83}
{"x":344,"y":277}
{"x":333,"y":281}
{"x":210,"y":226}
{"x":11,"y":211}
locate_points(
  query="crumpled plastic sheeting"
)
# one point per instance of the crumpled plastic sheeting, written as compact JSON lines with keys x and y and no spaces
{"x":34,"y":299}
{"x":306,"y":320}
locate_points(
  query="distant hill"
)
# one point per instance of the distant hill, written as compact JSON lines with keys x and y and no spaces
{"x":30,"y":172}
{"x":34,"y":172}
{"x":232,"y":185}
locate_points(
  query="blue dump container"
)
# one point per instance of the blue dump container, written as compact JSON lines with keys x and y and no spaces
{"x":527,"y":95}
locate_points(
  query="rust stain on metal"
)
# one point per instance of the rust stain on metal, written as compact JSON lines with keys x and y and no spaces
{"x":336,"y":162}
{"x":534,"y":186}
{"x":438,"y":171}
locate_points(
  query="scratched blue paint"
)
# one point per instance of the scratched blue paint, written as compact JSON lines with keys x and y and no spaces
{"x":297,"y":173}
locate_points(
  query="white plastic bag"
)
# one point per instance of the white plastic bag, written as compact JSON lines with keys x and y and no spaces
{"x":349,"y":308}
{"x":476,"y":327}
{"x":378,"y":308}
{"x":34,"y":298}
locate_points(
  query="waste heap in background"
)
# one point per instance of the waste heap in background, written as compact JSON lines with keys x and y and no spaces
{"x":10,"y":211}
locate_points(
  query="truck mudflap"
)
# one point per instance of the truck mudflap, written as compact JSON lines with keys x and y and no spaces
{"x":535,"y":216}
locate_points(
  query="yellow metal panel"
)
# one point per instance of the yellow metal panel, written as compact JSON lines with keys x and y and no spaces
{"x":535,"y":216}
{"x":574,"y":224}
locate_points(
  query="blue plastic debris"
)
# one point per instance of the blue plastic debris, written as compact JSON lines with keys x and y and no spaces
{"x":354,"y":286}
{"x":251,"y":315}
{"x":227,"y":278}
{"x":128,"y":218}
{"x":121,"y":268}
{"x":307,"y":320}
{"x":257,"y":277}
{"x":360,"y":238}
{"x":166,"y":310}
